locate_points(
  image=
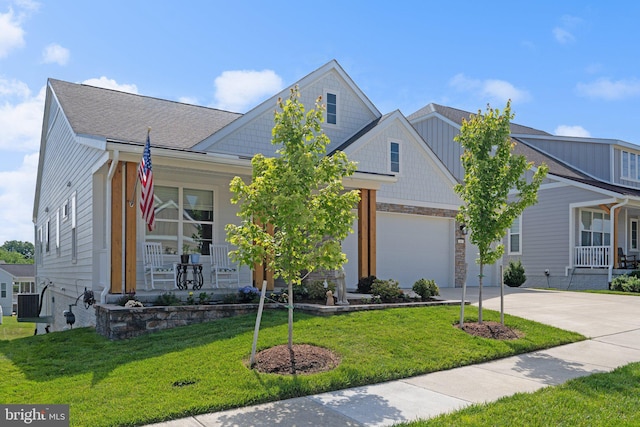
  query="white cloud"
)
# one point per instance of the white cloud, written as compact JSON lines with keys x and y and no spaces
{"x":494,"y":90}
{"x":610,"y":89}
{"x":564,"y":33}
{"x":242,"y":89}
{"x":563,"y":36}
{"x":106,"y":83}
{"x":20,"y":116}
{"x":566,"y":130}
{"x":188,"y":100}
{"x":55,"y":53}
{"x":17,"y":192}
{"x":11,"y":33}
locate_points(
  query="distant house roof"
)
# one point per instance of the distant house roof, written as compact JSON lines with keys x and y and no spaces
{"x":125,"y":117}
{"x":19,"y":270}
{"x":456,"y":116}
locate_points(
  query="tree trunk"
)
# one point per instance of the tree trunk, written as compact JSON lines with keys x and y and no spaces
{"x":481,"y":277}
{"x":290,"y":305}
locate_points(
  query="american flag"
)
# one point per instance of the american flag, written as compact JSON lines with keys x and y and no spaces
{"x":146,"y":180}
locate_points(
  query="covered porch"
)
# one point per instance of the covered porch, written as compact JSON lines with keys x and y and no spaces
{"x":192,"y":202}
{"x":604,"y":235}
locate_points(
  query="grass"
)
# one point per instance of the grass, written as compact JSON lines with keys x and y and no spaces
{"x":597,"y":400}
{"x":12,"y":329}
{"x":202,"y":368}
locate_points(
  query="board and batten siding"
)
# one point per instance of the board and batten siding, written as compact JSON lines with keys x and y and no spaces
{"x":546,"y":230}
{"x":255,"y":136}
{"x":589,"y":157}
{"x":439,"y":136}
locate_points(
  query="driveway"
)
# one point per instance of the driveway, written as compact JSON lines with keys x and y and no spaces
{"x":592,"y":315}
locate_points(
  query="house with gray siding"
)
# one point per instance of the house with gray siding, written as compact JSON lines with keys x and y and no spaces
{"x":90,"y":234}
{"x":15,"y":279}
{"x":587,"y":210}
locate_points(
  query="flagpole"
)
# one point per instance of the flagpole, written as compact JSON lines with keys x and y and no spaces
{"x":135,"y":185}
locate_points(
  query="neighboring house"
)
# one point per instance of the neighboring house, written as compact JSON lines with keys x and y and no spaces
{"x":90,"y":234}
{"x":588,"y":207}
{"x":15,"y":279}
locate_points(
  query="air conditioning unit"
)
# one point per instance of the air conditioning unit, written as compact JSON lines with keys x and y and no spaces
{"x":28,"y":305}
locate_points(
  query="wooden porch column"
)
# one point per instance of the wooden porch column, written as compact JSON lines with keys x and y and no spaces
{"x":367,"y":233}
{"x":123,"y":216}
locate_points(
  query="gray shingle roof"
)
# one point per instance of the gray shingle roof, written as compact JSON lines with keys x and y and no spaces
{"x":19,"y":270}
{"x":125,"y":117}
{"x":456,"y":116}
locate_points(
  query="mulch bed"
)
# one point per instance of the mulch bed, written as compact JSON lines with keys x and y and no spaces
{"x":308,"y":359}
{"x":494,"y":330}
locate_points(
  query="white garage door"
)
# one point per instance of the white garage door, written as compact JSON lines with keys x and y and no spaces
{"x":409,"y":247}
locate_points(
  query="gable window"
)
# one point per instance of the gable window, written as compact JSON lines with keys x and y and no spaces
{"x":594,"y":228}
{"x":515,"y":237}
{"x":630,"y":166}
{"x":633,"y":234}
{"x":394,"y":157}
{"x":332,"y":108}
{"x":184,"y":220}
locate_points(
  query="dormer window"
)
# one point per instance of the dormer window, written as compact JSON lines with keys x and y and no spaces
{"x":630,"y":168}
{"x":332,"y":108}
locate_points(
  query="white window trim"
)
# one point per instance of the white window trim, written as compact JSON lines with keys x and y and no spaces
{"x":180,"y":221}
{"x":625,"y":173}
{"x":74,"y":229}
{"x":509,"y":234}
{"x":58,"y":232}
{"x":338,"y":112}
{"x":389,"y":170}
{"x":605,"y":230}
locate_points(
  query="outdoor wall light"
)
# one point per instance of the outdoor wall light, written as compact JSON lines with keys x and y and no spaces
{"x":464,"y":230}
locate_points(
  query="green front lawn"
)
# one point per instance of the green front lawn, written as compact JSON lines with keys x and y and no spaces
{"x":609,"y":399}
{"x":202,"y":368}
{"x":12,"y":329}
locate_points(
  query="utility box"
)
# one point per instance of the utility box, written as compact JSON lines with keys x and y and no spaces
{"x":28,"y":306}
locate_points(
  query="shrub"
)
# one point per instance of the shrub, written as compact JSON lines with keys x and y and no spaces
{"x":204,"y":298}
{"x":626,"y":283}
{"x":230,"y":298}
{"x":426,"y":288}
{"x":635,"y":273}
{"x":514,"y":274}
{"x":248,"y":294}
{"x":167,"y":299}
{"x":364,"y":284}
{"x":125,"y":298}
{"x":317,"y":291}
{"x":387,"y":290}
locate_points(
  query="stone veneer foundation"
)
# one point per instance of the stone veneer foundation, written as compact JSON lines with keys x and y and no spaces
{"x":117,"y":323}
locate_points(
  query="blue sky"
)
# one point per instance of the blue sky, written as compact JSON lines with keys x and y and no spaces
{"x":569,"y":67}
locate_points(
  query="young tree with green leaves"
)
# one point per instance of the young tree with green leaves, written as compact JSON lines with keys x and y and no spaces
{"x":491,"y":172}
{"x":300,"y":193}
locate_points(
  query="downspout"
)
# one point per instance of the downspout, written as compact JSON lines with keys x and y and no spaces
{"x":112,"y":171}
{"x":612,"y":221}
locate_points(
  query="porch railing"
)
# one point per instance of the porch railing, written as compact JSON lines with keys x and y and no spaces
{"x":591,"y":256}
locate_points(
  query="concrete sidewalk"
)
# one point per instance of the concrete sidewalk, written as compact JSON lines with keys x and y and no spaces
{"x":611,"y":321}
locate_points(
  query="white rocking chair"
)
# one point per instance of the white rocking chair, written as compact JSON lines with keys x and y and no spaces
{"x":222,"y":269}
{"x":156,"y":268}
